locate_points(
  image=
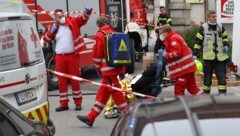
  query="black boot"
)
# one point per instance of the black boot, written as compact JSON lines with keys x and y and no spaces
{"x":61,"y":108}
{"x":78,"y":107}
{"x":85,"y":120}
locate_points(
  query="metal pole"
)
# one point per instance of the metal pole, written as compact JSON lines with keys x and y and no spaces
{"x":122,"y":15}
{"x":67,"y":7}
{"x":206,"y":9}
{"x":36,"y":14}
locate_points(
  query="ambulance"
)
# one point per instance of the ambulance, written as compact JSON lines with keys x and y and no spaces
{"x":23,"y":80}
{"x":116,"y":8}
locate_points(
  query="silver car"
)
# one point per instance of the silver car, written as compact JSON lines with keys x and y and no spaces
{"x":217,"y":115}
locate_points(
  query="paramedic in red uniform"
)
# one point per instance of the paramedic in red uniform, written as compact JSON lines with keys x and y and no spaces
{"x":69,"y":42}
{"x":109,"y":75}
{"x":181,"y":63}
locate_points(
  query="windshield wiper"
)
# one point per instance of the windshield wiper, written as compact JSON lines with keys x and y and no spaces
{"x":26,"y":64}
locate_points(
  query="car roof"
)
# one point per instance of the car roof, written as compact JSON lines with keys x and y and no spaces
{"x":177,"y":103}
{"x":194,"y":110}
{"x":14,"y":14}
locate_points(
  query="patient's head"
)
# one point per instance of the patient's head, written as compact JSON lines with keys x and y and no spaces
{"x":149,"y":60}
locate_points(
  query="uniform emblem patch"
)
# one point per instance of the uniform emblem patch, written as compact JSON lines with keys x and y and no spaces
{"x":174,"y":43}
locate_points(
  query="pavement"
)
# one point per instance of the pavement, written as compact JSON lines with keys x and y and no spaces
{"x":68,"y":125}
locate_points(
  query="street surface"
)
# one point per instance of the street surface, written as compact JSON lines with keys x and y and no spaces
{"x":68,"y":125}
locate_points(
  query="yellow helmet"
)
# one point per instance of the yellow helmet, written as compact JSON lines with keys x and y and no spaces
{"x":199,"y":66}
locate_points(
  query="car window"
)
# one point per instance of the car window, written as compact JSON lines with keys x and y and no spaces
{"x":6,"y":128}
{"x":211,"y":119}
{"x":218,"y":111}
{"x":148,"y":114}
{"x":19,"y":44}
{"x":25,"y":126}
{"x":14,"y":115}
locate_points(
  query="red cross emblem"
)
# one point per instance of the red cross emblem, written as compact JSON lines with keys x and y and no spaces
{"x":33,"y":37}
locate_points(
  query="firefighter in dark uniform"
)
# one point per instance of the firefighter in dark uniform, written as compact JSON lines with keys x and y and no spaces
{"x":163,"y":19}
{"x":212,"y":37}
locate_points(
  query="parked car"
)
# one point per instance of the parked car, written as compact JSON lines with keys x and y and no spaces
{"x":14,"y":123}
{"x":217,"y":115}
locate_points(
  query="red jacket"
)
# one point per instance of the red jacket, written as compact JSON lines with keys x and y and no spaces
{"x":178,"y":56}
{"x":100,"y":55}
{"x":74,"y":23}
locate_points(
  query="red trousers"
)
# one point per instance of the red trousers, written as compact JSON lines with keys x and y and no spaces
{"x":103,"y":95}
{"x":188,"y":82}
{"x":68,"y":64}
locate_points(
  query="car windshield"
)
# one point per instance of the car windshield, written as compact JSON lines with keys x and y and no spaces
{"x":206,"y":116}
{"x":20,"y":45}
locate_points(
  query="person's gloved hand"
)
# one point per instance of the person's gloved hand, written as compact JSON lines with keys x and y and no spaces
{"x":225,"y":49}
{"x":121,"y":76}
{"x":99,"y":74}
{"x":88,"y":10}
{"x":53,"y":29}
{"x":194,"y":56}
{"x":164,"y":53}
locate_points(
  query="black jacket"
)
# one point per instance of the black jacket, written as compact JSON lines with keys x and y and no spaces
{"x":163,"y":20}
{"x":158,"y":45}
{"x":147,"y":78}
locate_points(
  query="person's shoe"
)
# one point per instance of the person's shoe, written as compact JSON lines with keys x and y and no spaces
{"x":61,"y":108}
{"x":114,"y":113}
{"x":78,"y":107}
{"x":85,"y":120}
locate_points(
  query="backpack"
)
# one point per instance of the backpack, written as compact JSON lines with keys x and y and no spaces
{"x":118,"y":49}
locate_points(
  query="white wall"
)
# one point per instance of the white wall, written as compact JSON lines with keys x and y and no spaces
{"x":236,"y":39}
{"x":211,"y":4}
{"x":197,"y":13}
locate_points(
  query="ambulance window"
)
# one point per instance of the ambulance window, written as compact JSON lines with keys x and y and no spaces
{"x":19,"y":45}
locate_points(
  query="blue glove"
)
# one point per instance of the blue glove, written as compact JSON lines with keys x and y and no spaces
{"x":194,"y":56}
{"x":121,"y":76}
{"x":225,"y":49}
{"x":88,"y":10}
{"x":99,"y":74}
{"x":164,"y":53}
{"x":53,"y":29}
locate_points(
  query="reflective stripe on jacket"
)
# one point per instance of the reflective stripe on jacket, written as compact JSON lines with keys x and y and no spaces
{"x":209,"y":50}
{"x":179,"y":56}
{"x":74,"y":24}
